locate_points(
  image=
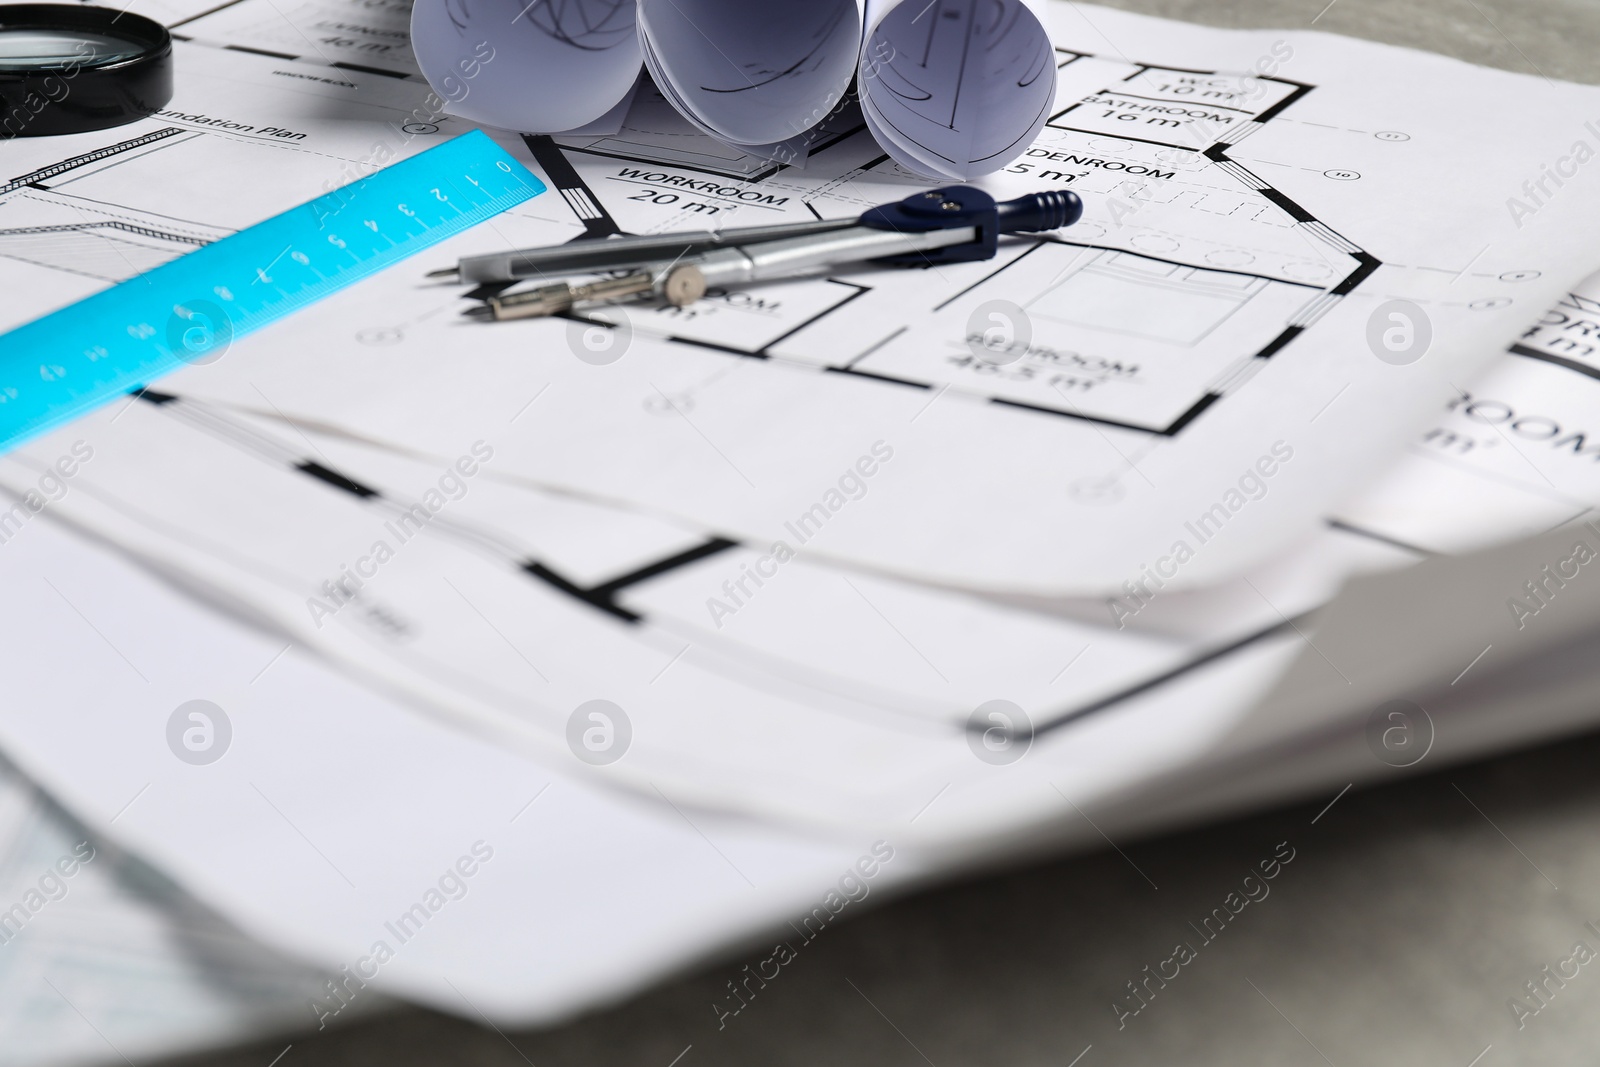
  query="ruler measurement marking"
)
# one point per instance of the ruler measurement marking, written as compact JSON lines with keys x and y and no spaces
{"x":115,"y":340}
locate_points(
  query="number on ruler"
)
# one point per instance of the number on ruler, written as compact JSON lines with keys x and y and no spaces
{"x":91,"y":337}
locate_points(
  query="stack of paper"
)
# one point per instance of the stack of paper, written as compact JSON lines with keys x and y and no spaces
{"x":510,"y":667}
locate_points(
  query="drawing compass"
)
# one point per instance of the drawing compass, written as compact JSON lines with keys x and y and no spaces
{"x":957,"y":224}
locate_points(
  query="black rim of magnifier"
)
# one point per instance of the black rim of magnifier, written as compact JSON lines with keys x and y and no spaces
{"x":81,"y":95}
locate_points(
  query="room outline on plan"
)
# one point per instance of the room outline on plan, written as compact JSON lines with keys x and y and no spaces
{"x":1132,"y":322}
{"x":1211,"y":316}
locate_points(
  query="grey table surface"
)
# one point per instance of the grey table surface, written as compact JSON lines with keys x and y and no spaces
{"x":1411,"y":914}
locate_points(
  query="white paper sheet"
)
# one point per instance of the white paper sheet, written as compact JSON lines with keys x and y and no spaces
{"x":1489,"y":648}
{"x":1198,"y":329}
{"x":1512,"y":455}
{"x":360,"y":785}
{"x":330,"y":802}
{"x":112,"y":958}
{"x":83,"y":211}
{"x":778,"y":637}
{"x":1515,"y":453}
{"x":332,"y":812}
{"x":506,"y":609}
{"x":355,"y":34}
{"x":337,"y":784}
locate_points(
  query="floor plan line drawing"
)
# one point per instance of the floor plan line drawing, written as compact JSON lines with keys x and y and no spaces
{"x":339,"y":64}
{"x":73,"y":227}
{"x":257,"y":51}
{"x":1146,"y":329}
{"x":1177,"y":124}
{"x":1345,"y":527}
{"x":96,"y":249}
{"x":371,"y":36}
{"x":82,"y":221}
{"x":197,"y":16}
{"x":605,"y":596}
{"x":107,"y":242}
{"x":364,"y":69}
{"x":597,"y":221}
{"x":1214,"y":275}
{"x":1071,"y":118}
{"x":654,"y":132}
{"x":100,"y":238}
{"x":1516,"y":450}
{"x":846,"y":291}
{"x":1559,"y":361}
{"x":1210,"y":315}
{"x":37,"y":177}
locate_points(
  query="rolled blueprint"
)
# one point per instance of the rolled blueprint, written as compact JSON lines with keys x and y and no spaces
{"x":951,"y":88}
{"x":752,"y":74}
{"x":956,"y":88}
{"x":541,"y":67}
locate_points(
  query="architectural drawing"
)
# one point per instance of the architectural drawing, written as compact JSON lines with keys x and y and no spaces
{"x":1249,"y":273}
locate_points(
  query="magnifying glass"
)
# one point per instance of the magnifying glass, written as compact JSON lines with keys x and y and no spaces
{"x":66,"y":68}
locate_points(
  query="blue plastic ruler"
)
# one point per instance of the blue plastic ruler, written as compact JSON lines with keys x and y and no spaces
{"x":71,"y":361}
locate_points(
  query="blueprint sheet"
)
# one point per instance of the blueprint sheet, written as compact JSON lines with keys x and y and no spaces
{"x":299,"y":811}
{"x":1511,"y":454}
{"x":1445,"y":625}
{"x":210,"y":488}
{"x":336,"y":820}
{"x":509,"y":607}
{"x":1514,"y":453}
{"x":113,"y":958}
{"x":1062,"y":416}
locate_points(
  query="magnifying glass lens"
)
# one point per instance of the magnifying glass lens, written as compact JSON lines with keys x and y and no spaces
{"x":71,"y":68}
{"x":25,"y":48}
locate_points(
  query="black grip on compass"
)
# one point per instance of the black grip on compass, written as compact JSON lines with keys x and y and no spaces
{"x":1038,"y":212}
